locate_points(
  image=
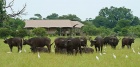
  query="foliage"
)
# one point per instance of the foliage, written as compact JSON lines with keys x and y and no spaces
{"x":39,"y":31}
{"x":114,"y":14}
{"x":53,"y":16}
{"x":19,"y":33}
{"x":71,"y":17}
{"x":37,"y":17}
{"x":13,"y":24}
{"x":4,"y":32}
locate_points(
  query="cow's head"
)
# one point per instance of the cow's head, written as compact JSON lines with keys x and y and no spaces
{"x":93,"y":42}
{"x":132,"y":40}
{"x":25,"y":42}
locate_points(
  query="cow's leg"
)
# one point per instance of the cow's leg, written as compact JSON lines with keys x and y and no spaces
{"x":123,"y":45}
{"x":130,"y":45}
{"x":49,"y":48}
{"x":96,"y":49}
{"x":101,"y":48}
{"x":11,"y":47}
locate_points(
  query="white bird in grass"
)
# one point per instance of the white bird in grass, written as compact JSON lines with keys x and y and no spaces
{"x":9,"y":52}
{"x":104,"y":53}
{"x":139,"y":53}
{"x":101,"y":54}
{"x":97,"y":57}
{"x":133,"y":50}
{"x":20,"y":51}
{"x":38,"y":55}
{"x":114,"y":55}
{"x":24,"y":50}
{"x":126,"y":56}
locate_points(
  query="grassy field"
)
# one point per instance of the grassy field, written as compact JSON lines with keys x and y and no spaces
{"x":27,"y":59}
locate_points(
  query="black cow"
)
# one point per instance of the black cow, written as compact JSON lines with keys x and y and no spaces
{"x":127,"y":42}
{"x":98,"y":42}
{"x":106,"y":41}
{"x":113,"y":41}
{"x":40,"y":49}
{"x":38,"y":42}
{"x":60,"y":44}
{"x":87,"y":50}
{"x":84,"y":42}
{"x":16,"y":41}
{"x":74,"y":44}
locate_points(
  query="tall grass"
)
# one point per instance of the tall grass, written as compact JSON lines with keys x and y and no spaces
{"x":27,"y":59}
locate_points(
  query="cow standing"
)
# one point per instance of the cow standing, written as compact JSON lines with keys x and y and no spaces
{"x":38,"y":42}
{"x":106,"y":41}
{"x":128,"y":42}
{"x":74,"y":44}
{"x":113,"y":41}
{"x":60,"y":44}
{"x":15,"y":41}
{"x":98,"y":42}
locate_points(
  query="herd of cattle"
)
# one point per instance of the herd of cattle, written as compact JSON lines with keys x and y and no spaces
{"x":67,"y":45}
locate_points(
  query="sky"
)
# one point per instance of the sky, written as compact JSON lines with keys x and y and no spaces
{"x":82,"y":8}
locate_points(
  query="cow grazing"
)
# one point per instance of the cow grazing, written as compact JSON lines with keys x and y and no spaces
{"x":38,"y":42}
{"x":98,"y":43}
{"x":87,"y":50}
{"x":128,"y":42}
{"x":74,"y":44}
{"x":15,"y":41}
{"x":113,"y":41}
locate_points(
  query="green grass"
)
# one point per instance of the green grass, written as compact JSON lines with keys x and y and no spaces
{"x":27,"y":59}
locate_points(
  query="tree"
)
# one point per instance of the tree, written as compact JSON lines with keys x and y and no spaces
{"x":3,"y":14}
{"x":100,"y":21}
{"x":37,"y":17}
{"x":124,"y":23}
{"x":135,"y":21}
{"x":14,"y":23}
{"x":70,"y":17}
{"x":4,"y":32}
{"x":53,"y":16}
{"x":114,"y":14}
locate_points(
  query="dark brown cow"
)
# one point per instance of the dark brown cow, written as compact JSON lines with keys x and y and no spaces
{"x":60,"y":44}
{"x":84,"y":42}
{"x":98,"y":42}
{"x":16,"y":41}
{"x":106,"y":41}
{"x":113,"y":41}
{"x":38,"y":42}
{"x":74,"y":44}
{"x":128,"y":42}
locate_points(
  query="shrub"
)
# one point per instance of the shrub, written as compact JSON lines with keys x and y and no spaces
{"x":39,"y":31}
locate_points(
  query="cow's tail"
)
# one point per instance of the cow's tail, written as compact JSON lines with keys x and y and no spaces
{"x":51,"y":44}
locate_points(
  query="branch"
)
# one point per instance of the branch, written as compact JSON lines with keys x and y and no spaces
{"x":18,"y":13}
{"x":10,"y":4}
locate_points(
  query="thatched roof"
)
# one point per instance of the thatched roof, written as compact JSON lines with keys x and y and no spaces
{"x":52,"y":23}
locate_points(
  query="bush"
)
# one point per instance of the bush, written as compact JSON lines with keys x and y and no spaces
{"x":19,"y":33}
{"x":4,"y":32}
{"x":39,"y":31}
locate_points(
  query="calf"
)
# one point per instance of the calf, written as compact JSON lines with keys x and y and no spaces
{"x":87,"y":50}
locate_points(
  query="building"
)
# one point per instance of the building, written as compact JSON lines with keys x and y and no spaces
{"x":61,"y":27}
